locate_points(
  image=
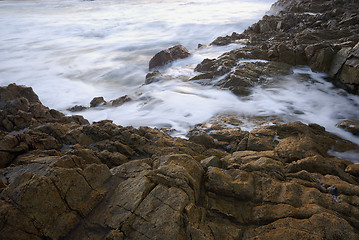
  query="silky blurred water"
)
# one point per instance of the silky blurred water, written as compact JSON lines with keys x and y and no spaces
{"x":72,"y":51}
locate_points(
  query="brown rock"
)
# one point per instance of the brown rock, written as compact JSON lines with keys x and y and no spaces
{"x":211,"y":162}
{"x":203,"y":139}
{"x":338,"y":61}
{"x":77,"y":108}
{"x":328,"y":227}
{"x":97,"y":101}
{"x":47,"y":210}
{"x":353,"y":169}
{"x":350,"y":126}
{"x":166,"y":56}
{"x":13,"y":92}
{"x":121,"y":100}
{"x":233,"y":183}
{"x":152,"y":77}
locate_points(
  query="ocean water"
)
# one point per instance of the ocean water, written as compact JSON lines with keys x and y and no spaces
{"x":71,"y":51}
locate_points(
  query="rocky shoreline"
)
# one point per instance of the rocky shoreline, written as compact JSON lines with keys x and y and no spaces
{"x":63,"y":178}
{"x":321,"y":34}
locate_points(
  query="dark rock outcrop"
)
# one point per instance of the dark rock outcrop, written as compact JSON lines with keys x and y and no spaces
{"x":68,"y":180}
{"x":166,"y":56}
{"x":97,"y":101}
{"x":321,"y":34}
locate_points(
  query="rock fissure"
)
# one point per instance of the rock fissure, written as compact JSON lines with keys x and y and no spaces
{"x":113,"y":182}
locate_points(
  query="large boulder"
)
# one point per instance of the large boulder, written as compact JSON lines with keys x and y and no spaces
{"x":168,"y":55}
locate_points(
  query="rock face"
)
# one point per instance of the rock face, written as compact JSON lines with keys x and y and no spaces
{"x":67,"y":179}
{"x":321,"y":34}
{"x":166,"y":56}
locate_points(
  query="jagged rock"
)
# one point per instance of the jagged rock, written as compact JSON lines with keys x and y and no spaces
{"x":349,"y":74}
{"x":293,"y":36}
{"x":97,"y":101}
{"x":20,"y":109}
{"x":18,"y":93}
{"x":166,"y":56}
{"x":154,"y":76}
{"x":121,"y":100}
{"x":222,"y":41}
{"x":274,"y":182}
{"x":320,"y":57}
{"x":338,"y":61}
{"x":77,"y":108}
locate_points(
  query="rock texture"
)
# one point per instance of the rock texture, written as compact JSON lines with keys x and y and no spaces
{"x":62,"y":178}
{"x":166,"y":56}
{"x":322,"y":34}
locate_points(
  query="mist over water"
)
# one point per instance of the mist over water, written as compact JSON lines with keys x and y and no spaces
{"x":72,"y":51}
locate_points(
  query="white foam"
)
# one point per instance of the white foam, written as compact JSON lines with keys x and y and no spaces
{"x":352,"y":156}
{"x":71,"y":51}
{"x":75,"y":50}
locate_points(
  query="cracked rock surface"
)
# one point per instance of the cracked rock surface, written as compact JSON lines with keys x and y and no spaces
{"x":63,"y":178}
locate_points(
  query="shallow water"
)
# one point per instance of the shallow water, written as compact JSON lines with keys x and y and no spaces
{"x":73,"y":51}
{"x":76,"y":50}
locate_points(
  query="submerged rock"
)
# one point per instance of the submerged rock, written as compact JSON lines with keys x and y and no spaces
{"x":350,"y":125}
{"x":240,"y":76}
{"x":166,"y":56}
{"x":154,"y":76}
{"x":77,"y":108}
{"x":120,"y":101}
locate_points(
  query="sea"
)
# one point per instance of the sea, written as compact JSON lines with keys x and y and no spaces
{"x":71,"y":51}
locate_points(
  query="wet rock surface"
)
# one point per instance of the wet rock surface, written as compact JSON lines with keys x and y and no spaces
{"x":321,"y":34}
{"x":67,"y":179}
{"x":166,"y":56}
{"x":350,"y":125}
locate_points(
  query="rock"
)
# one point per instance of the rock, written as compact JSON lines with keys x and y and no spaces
{"x":120,"y":101}
{"x":353,"y":169}
{"x":211,"y":162}
{"x":166,"y":56}
{"x":329,"y":227}
{"x":199,"y":46}
{"x":154,"y":76}
{"x":77,"y":108}
{"x":203,"y":139}
{"x":349,"y":74}
{"x":274,"y":182}
{"x":222,"y":41}
{"x":320,"y":57}
{"x":50,"y":212}
{"x":158,"y":183}
{"x":13,"y":91}
{"x":350,"y":126}
{"x":97,"y":101}
{"x":6,"y":158}
{"x":338,"y":61}
{"x":294,"y":37}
